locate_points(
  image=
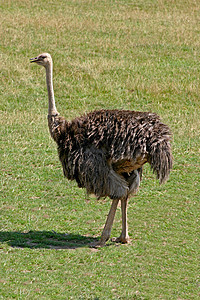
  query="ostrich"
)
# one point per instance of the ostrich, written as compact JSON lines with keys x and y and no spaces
{"x":105,"y":150}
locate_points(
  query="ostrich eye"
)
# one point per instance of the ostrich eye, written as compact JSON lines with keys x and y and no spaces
{"x":43,"y":56}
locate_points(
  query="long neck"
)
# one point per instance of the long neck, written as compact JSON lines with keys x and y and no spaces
{"x":49,"y":80}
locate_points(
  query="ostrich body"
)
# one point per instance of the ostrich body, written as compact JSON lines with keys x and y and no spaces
{"x":105,"y":150}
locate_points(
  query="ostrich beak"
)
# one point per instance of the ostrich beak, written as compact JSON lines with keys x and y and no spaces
{"x":35,"y":59}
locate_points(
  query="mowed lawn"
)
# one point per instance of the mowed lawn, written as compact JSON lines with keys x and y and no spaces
{"x":140,"y":55}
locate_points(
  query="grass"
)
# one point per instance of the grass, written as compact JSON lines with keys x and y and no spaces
{"x":140,"y":55}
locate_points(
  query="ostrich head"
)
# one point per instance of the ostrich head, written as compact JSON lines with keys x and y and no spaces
{"x":43,"y":59}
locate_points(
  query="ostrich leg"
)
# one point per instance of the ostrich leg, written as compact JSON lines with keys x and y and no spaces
{"x":108,"y":226}
{"x":123,"y":238}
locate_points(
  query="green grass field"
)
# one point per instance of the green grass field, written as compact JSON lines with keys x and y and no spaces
{"x":140,"y":55}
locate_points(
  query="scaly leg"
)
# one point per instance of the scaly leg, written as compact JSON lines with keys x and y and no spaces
{"x":124,"y":237}
{"x":107,"y":228}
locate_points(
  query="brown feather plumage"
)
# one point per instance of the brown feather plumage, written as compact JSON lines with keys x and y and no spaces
{"x":102,"y":148}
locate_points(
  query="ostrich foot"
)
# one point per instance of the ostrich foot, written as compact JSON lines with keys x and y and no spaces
{"x":98,"y":244}
{"x":121,"y":239}
{"x":101,"y":242}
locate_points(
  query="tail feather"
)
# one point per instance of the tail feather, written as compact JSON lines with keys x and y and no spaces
{"x":161,"y":158}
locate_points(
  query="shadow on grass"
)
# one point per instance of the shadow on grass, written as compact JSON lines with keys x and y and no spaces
{"x":45,"y":239}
